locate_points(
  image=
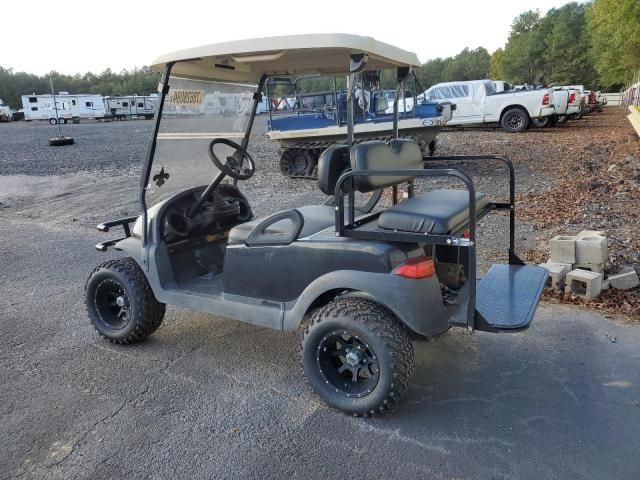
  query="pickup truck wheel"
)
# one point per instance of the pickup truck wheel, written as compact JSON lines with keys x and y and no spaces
{"x":544,"y":122}
{"x":120,"y":302}
{"x":514,"y":120}
{"x":357,"y":356}
{"x":577,"y":115}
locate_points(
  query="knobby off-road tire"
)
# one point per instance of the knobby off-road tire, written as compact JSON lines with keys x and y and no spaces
{"x":120,"y":302}
{"x":357,"y":356}
{"x":514,"y":120}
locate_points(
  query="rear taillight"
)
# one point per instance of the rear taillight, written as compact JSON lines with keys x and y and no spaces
{"x":572,"y":98}
{"x":417,"y":267}
{"x":546,"y":99}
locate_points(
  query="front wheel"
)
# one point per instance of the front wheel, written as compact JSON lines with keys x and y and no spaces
{"x":357,"y":356}
{"x":514,"y":120}
{"x":53,"y":121}
{"x":120,"y":302}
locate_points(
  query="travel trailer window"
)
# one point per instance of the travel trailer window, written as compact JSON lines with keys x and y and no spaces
{"x":73,"y":102}
{"x":140,"y":104}
{"x":88,"y":104}
{"x":33,"y":100}
{"x":34,"y":109}
{"x":125,"y":104}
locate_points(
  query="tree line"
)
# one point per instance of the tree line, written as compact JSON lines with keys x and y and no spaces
{"x":140,"y":81}
{"x":596,"y":44}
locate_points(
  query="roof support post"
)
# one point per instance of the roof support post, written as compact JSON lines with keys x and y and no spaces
{"x":357,"y":62}
{"x":402,"y":74}
{"x":163,"y":89}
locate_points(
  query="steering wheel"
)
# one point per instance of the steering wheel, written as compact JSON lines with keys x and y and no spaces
{"x":234,"y":167}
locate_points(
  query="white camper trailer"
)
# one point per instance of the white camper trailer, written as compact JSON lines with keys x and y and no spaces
{"x":70,"y":107}
{"x":131,"y":106}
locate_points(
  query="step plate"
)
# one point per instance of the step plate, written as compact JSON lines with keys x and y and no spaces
{"x":507,"y":297}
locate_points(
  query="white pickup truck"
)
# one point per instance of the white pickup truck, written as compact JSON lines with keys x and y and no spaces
{"x":5,"y":113}
{"x":566,"y":101}
{"x":478,"y":102}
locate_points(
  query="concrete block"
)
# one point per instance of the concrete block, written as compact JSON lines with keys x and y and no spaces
{"x":584,"y":283}
{"x":591,"y":249}
{"x":592,"y":267}
{"x":557,"y":274}
{"x":591,"y":233}
{"x":624,"y":281}
{"x":563,"y":249}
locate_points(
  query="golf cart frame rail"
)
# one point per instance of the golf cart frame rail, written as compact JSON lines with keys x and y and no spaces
{"x":351,"y":229}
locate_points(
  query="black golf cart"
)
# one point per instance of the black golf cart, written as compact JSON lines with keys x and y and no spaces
{"x":362,"y":280}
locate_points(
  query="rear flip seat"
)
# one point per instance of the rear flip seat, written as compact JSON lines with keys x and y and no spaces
{"x":439,"y":212}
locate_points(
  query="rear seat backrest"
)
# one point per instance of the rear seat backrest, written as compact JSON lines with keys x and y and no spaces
{"x":400,"y":154}
{"x":333,"y":162}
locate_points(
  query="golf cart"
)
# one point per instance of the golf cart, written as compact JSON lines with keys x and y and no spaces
{"x":362,"y":280}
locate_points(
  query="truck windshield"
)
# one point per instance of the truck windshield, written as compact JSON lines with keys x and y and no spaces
{"x":194,"y":113}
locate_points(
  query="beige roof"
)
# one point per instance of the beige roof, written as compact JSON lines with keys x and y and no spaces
{"x":248,"y":60}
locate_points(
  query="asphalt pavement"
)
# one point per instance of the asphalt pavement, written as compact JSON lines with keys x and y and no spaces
{"x":206,"y":397}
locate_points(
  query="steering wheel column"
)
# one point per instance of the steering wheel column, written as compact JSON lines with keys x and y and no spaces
{"x":234,"y":166}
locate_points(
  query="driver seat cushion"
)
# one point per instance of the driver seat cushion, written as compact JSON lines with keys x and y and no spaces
{"x":316,"y":219}
{"x":438,"y":212}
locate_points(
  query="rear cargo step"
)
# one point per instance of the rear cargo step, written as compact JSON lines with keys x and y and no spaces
{"x":507,"y":297}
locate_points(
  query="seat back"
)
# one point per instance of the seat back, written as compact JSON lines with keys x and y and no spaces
{"x":332,"y":163}
{"x":398,"y":154}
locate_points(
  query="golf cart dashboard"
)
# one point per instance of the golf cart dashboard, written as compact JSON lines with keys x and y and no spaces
{"x":222,"y":209}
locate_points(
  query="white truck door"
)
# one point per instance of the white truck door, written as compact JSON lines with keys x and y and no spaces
{"x":463,"y":96}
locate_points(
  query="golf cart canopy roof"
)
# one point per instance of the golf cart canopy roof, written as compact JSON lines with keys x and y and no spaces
{"x":249,"y":60}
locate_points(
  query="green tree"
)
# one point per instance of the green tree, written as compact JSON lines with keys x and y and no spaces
{"x":567,"y":58}
{"x":614,"y":28}
{"x":523,"y":57}
{"x":13,"y":85}
{"x":495,"y":69}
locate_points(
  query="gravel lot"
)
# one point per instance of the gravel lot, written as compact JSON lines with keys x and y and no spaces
{"x":209,"y":398}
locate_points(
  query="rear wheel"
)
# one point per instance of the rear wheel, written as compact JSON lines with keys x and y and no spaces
{"x":514,"y":120}
{"x":120,"y":302}
{"x":53,"y":121}
{"x":577,"y":115}
{"x":544,"y":122}
{"x":357,"y":356}
{"x":62,"y":121}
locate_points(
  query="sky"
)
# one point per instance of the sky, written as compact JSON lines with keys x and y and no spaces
{"x":73,"y":36}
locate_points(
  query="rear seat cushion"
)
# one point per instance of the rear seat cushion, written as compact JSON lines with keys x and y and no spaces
{"x":438,"y":212}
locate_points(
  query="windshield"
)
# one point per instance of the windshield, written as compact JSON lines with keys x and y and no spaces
{"x":195,"y":112}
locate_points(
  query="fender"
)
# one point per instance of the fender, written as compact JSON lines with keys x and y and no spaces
{"x":417,"y":303}
{"x":507,"y":107}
